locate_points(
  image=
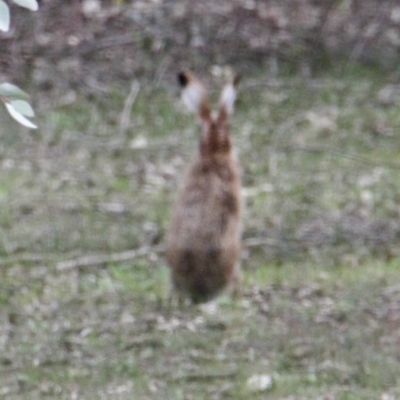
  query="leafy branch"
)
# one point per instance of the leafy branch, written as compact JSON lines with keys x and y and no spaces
{"x":12,"y":96}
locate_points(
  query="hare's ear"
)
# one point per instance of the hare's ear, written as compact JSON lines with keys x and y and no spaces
{"x":194,"y":95}
{"x":228,"y":97}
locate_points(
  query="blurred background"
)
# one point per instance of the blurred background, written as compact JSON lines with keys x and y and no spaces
{"x":92,"y":44}
{"x":315,"y":126}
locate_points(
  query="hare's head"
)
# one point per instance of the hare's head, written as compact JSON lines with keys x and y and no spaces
{"x":215,"y":139}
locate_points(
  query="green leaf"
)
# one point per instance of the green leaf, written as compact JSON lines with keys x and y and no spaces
{"x":19,"y":117}
{"x":23,"y":107}
{"x":4,"y":16}
{"x":31,"y":4}
{"x":11,"y":91}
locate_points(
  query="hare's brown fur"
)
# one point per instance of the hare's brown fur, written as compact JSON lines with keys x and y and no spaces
{"x":203,"y":242}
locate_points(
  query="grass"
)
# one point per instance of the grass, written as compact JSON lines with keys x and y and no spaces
{"x":321,"y":288}
{"x":314,"y":331}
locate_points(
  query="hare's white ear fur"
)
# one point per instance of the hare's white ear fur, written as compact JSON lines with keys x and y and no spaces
{"x":193,"y":93}
{"x":227,"y":99}
{"x":228,"y":96}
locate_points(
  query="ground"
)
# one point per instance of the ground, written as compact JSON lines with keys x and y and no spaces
{"x":84,"y":205}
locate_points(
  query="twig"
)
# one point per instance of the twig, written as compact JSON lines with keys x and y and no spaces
{"x":91,"y":260}
{"x":125,"y":114}
{"x":339,"y":153}
{"x":362,"y":41}
{"x":23,"y":259}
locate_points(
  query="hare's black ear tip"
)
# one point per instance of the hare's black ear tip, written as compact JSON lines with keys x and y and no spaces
{"x":182,"y":79}
{"x":236,"y":79}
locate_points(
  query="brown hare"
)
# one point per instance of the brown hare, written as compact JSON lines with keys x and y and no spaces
{"x":203,"y":242}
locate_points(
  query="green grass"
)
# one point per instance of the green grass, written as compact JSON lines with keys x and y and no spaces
{"x":315,"y":331}
{"x":321,"y":284}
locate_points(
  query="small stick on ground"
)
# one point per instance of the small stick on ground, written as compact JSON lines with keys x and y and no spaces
{"x":125,"y":114}
{"x":91,"y":260}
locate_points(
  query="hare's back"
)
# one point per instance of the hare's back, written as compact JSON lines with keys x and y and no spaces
{"x":207,"y":207}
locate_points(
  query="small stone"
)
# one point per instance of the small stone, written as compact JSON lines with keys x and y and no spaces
{"x":259,"y":383}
